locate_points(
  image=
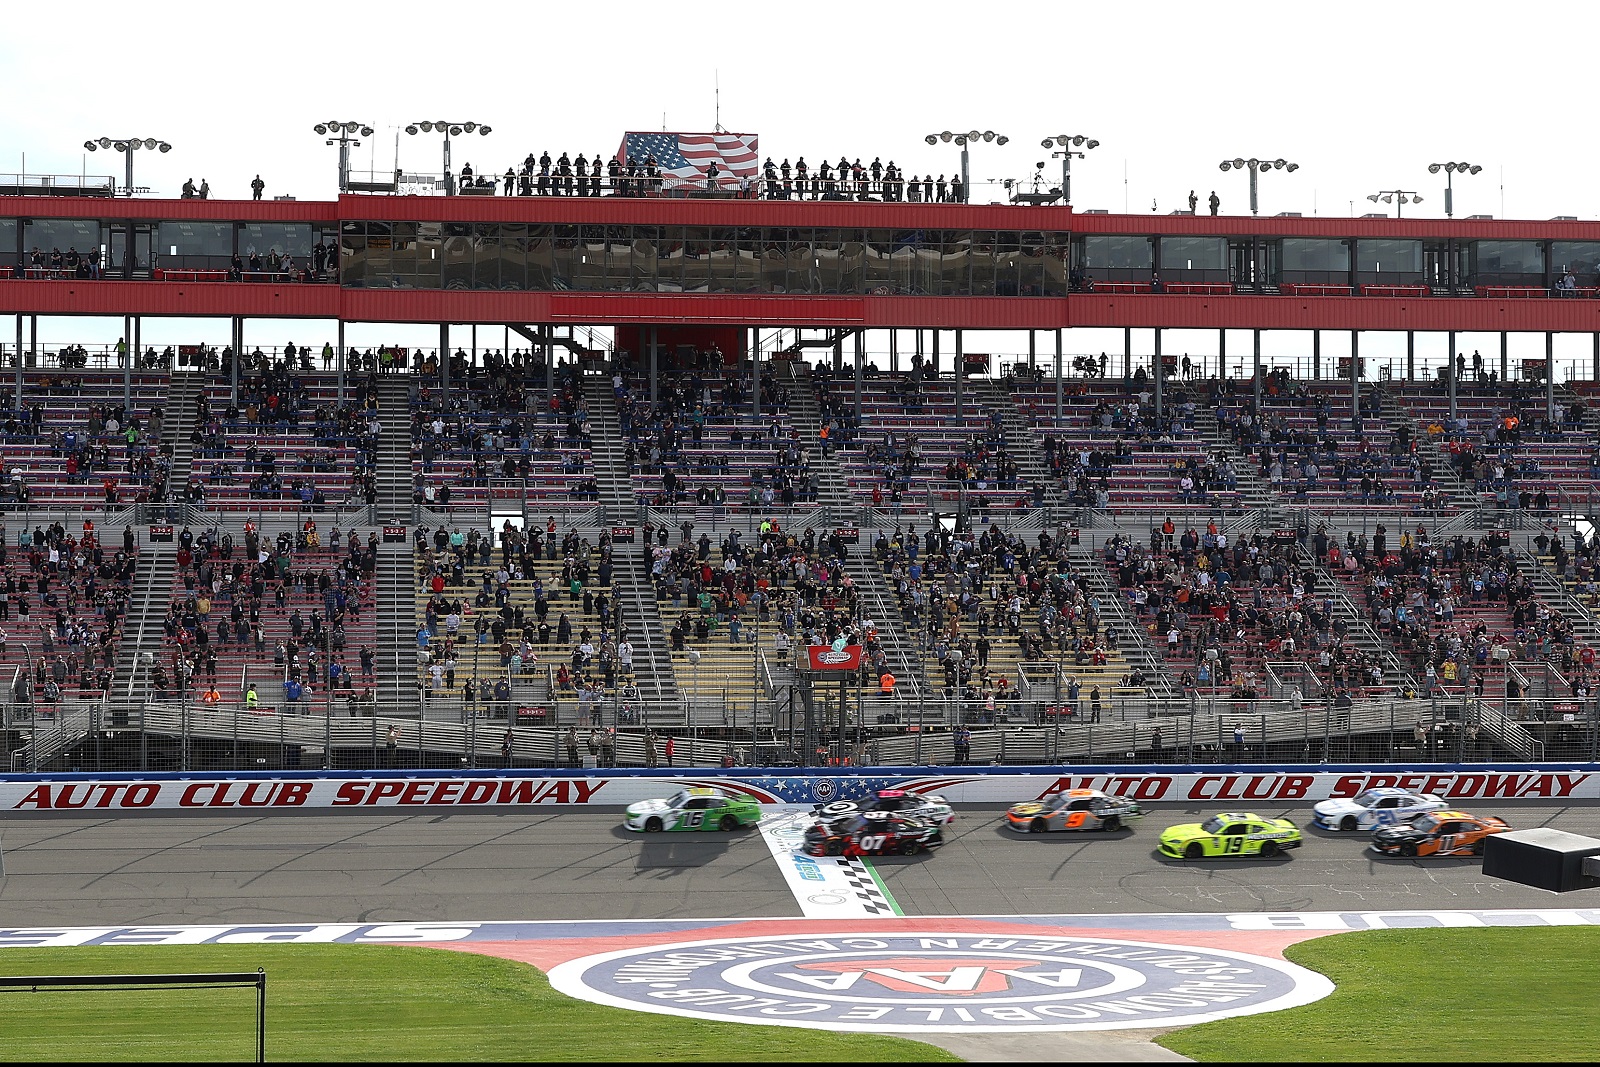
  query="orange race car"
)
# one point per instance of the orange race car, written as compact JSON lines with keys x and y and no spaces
{"x":1438,"y":833}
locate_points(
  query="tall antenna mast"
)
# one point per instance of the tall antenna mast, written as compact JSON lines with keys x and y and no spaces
{"x":717,"y":101}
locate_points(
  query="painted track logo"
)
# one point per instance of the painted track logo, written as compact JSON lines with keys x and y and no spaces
{"x":940,"y":982}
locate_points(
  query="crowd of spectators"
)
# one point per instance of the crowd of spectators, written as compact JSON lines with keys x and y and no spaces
{"x":1487,"y":449}
{"x":573,"y":624}
{"x":972,"y":596}
{"x":284,"y":602}
{"x":1224,"y":608}
{"x":325,"y":440}
{"x":1415,"y":586}
{"x":66,"y":597}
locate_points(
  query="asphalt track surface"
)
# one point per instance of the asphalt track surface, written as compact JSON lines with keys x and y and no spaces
{"x":374,"y":867}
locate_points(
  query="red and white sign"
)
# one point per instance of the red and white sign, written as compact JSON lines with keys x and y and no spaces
{"x":824,"y":658}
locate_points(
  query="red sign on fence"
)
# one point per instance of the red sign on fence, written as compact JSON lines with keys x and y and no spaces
{"x":824,"y":658}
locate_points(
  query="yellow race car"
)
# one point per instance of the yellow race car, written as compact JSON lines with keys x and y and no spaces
{"x":1230,"y":834}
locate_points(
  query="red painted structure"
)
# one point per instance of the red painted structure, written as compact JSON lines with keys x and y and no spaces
{"x":1200,"y":307}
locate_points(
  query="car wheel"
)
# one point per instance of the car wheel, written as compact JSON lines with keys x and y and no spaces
{"x":1194,"y":851}
{"x":729,"y":823}
{"x":910,"y":848}
{"x":652,"y":826}
{"x":834,"y":848}
{"x":1409,"y":849}
{"x":1269,"y":848}
{"x":1111,"y":824}
{"x":1038,"y":826}
{"x":1348,"y":823}
{"x":1477,"y":847}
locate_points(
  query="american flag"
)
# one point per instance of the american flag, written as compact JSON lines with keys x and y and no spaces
{"x":684,"y":157}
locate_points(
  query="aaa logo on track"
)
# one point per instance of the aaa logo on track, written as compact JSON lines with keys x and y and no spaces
{"x":923,"y":983}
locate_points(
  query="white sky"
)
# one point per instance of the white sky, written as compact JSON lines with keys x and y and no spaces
{"x":1363,"y":96}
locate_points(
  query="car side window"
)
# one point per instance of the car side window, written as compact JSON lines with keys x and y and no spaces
{"x":1237,"y":828}
{"x":1389,"y":802}
{"x":1451,"y":828}
{"x":1081,"y":805}
{"x":698,"y":804}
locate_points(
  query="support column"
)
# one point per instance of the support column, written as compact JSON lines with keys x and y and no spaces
{"x":33,"y":339}
{"x":933,"y":367}
{"x":1316,"y":355}
{"x":1450,"y":360}
{"x":838,"y":354}
{"x":238,"y":354}
{"x":755,"y":372}
{"x":138,"y":340}
{"x":1411,"y":355}
{"x":17,"y":401}
{"x":1059,"y":382}
{"x":1127,"y":356}
{"x":127,"y":363}
{"x":338,"y":355}
{"x":1549,"y":376}
{"x":1594,"y":371}
{"x":655,"y":365}
{"x":1033,"y":352}
{"x":548,"y":351}
{"x":444,"y":355}
{"x":1160,"y":372}
{"x":1505,"y":358}
{"x":1355,"y":379}
{"x":1222,"y":356}
{"x":1256,"y":334}
{"x":961,"y":373}
{"x":894,"y":351}
{"x":861,"y":359}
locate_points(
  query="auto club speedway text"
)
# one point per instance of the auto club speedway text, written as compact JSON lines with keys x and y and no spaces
{"x":190,"y":792}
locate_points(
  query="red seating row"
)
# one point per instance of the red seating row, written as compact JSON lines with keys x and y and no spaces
{"x":1313,"y":289}
{"x":1395,"y":290}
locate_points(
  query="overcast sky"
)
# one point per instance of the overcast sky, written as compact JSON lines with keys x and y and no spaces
{"x":1362,"y":96}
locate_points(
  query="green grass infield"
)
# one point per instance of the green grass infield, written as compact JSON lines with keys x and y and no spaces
{"x":1499,"y":994}
{"x":372,"y":1003}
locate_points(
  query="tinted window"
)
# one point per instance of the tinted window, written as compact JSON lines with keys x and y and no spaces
{"x":1580,"y":257}
{"x":1111,"y":253}
{"x":1389,"y":257}
{"x":197,"y":239}
{"x":1304,"y":253}
{"x":45,"y":234}
{"x":295,"y":238}
{"x":1194,"y":253}
{"x":8,"y":242}
{"x":1510,"y":257}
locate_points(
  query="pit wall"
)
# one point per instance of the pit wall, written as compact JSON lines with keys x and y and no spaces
{"x":1219,"y":787}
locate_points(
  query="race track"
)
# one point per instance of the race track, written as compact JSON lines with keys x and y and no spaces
{"x":375,"y":867}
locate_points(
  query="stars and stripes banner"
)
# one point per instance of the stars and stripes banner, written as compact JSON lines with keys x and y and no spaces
{"x":685,"y":158}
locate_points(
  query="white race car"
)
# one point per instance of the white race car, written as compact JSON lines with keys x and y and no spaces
{"x":926,"y":806}
{"x":1384,"y":806}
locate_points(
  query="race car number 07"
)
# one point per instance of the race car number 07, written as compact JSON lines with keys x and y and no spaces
{"x":872,"y":841}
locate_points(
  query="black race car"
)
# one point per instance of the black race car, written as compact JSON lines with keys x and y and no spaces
{"x":927,"y":806}
{"x":872,"y":833}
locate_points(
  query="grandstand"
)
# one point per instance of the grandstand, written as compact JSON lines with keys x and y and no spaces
{"x":226,"y":556}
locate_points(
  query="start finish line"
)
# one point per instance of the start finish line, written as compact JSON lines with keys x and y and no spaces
{"x":266,"y":792}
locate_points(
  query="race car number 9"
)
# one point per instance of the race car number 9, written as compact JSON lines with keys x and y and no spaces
{"x":1075,"y":820}
{"x":872,"y":842}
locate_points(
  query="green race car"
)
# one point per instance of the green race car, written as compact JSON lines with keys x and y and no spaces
{"x":1230,"y":834}
{"x":696,"y":808}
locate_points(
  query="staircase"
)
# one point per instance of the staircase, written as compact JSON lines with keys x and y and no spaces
{"x":396,"y":579}
{"x":834,"y":496}
{"x":1254,"y":492}
{"x":1022,"y":444}
{"x":1457,"y":492}
{"x":1358,"y":629}
{"x":158,"y":564}
{"x":1159,"y":681}
{"x":632,"y":589}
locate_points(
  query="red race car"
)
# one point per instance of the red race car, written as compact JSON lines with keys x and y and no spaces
{"x":872,"y":833}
